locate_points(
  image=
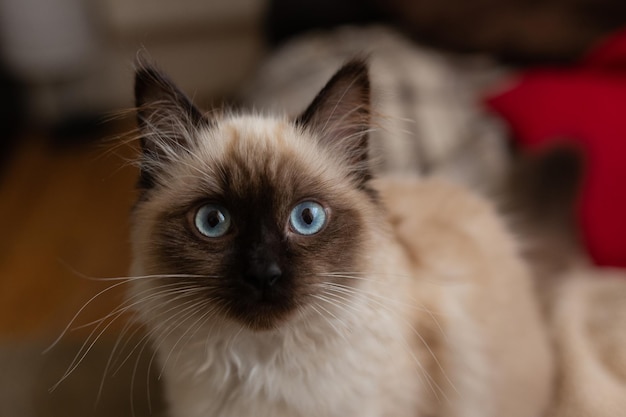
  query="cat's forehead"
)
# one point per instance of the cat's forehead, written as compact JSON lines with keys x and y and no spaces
{"x":241,"y":155}
{"x":259,"y":146}
{"x":250,"y":136}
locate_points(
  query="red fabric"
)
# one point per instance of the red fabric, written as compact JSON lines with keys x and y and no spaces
{"x":585,"y":104}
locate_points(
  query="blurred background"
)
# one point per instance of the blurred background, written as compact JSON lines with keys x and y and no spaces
{"x":66,"y":187}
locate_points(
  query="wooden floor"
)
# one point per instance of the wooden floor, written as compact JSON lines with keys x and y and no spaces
{"x":63,"y":214}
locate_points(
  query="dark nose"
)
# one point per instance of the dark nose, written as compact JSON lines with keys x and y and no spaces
{"x":263,"y":274}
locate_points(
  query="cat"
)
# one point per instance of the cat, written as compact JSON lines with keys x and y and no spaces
{"x":278,"y":277}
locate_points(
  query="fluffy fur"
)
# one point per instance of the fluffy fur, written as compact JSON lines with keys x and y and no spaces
{"x":587,"y":315}
{"x":411,"y":301}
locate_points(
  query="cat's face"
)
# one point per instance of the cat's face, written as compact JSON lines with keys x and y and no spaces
{"x":251,"y":214}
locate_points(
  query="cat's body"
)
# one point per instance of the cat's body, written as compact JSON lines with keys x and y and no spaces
{"x":409,"y":298}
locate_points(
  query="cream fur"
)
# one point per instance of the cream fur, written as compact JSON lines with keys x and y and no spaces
{"x":588,"y":321}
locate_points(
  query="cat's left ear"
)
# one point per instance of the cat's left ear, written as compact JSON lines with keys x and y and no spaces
{"x":340,"y":116}
{"x":167,"y":121}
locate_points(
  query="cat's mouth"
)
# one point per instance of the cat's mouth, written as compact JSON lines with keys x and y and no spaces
{"x":261,"y":308}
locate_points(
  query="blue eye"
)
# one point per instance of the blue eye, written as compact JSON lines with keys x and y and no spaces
{"x":212,"y":220}
{"x":307,"y":218}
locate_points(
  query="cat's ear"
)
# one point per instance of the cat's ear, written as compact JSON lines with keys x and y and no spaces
{"x":340,"y":116}
{"x":167,"y":121}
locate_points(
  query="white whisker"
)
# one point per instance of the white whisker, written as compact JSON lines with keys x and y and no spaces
{"x":331,"y":287}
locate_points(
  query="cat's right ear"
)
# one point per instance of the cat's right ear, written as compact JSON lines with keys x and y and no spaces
{"x":340,"y":117}
{"x":167,"y":121}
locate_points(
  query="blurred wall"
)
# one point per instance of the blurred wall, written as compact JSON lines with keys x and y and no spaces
{"x":75,"y":57}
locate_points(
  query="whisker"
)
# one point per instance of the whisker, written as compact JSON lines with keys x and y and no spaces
{"x":90,"y":342}
{"x":125,"y":306}
{"x":155,"y":330}
{"x":183,"y":292}
{"x":66,"y":329}
{"x":123,"y":280}
{"x":129,"y":278}
{"x":330,"y":288}
{"x":352,"y":290}
{"x":193,"y":309}
{"x":366,"y":276}
{"x":319,"y":297}
{"x":82,"y":353}
{"x":118,"y":340}
{"x":339,"y":333}
{"x":205,"y":318}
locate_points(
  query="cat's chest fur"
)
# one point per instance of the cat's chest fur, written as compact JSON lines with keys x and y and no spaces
{"x":301,"y":372}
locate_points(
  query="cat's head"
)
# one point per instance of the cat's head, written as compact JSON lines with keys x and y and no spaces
{"x":248,"y":217}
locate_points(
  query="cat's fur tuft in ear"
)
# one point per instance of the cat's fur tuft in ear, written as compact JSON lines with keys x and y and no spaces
{"x":153,"y":89}
{"x":340,"y":116}
{"x":166,"y":117}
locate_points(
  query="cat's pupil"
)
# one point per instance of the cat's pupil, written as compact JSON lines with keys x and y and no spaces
{"x":214,"y":218}
{"x":307,"y":215}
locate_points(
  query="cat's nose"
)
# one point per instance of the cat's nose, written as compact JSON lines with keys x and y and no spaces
{"x":264,"y":275}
